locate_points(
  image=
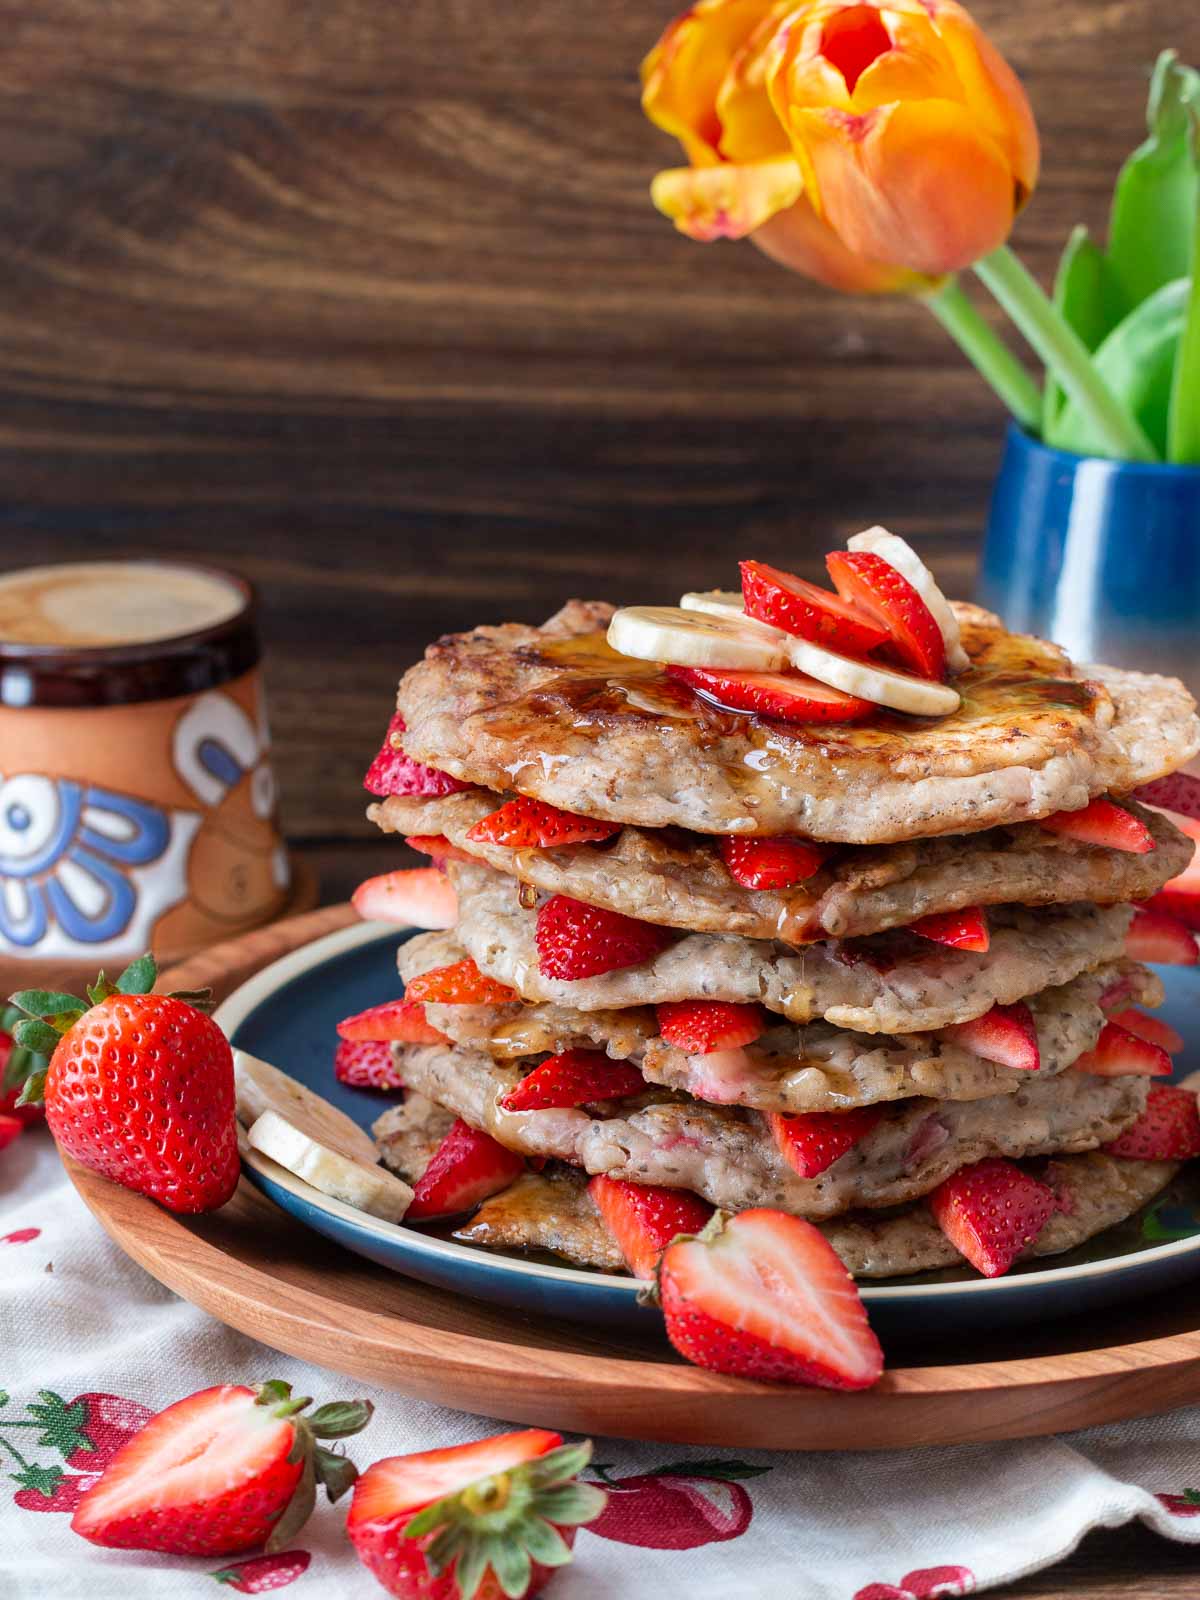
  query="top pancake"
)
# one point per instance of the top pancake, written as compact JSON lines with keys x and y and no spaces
{"x":553,"y":712}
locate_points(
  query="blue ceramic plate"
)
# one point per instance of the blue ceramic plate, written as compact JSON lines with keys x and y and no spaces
{"x":287,"y":1014}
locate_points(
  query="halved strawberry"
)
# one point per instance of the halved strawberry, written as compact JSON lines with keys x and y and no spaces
{"x":575,"y":940}
{"x":991,"y":1212}
{"x":1155,"y":936}
{"x":477,"y":1521}
{"x":1179,"y":793}
{"x":1151,"y":1028}
{"x":874,"y":586}
{"x":574,"y":1078}
{"x":400,"y":1020}
{"x":778,"y":696}
{"x":643,"y":1218}
{"x":436,"y":845}
{"x":464,"y":1170}
{"x":779,"y":862}
{"x":800,"y":607}
{"x":11,"y":1128}
{"x":367,"y":1064}
{"x":814,"y":1141}
{"x":1119,"y":1053}
{"x":700,"y":1027}
{"x":763,"y":1295}
{"x":459,"y":984}
{"x":392,"y":772}
{"x":1005,"y":1034}
{"x":1102,"y":822}
{"x":225,"y":1470}
{"x":962,"y":930}
{"x":414,"y":897}
{"x":523,"y":823}
{"x":1167,"y":1130}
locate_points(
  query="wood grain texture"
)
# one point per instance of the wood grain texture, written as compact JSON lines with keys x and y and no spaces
{"x":370,"y":302}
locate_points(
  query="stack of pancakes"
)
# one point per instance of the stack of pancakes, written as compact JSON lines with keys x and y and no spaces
{"x":920,"y":816}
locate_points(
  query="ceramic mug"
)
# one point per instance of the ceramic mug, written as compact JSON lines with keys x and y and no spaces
{"x":137,"y":802}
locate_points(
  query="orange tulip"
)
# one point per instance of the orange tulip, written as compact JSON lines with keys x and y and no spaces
{"x":705,"y":82}
{"x":914,"y":136}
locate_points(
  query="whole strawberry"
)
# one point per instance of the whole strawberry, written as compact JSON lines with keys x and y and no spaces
{"x":139,"y":1086}
{"x":225,"y":1470}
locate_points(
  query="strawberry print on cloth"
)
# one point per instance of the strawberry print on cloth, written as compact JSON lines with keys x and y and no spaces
{"x":677,"y":1507}
{"x":85,"y":1432}
{"x":261,"y":1574}
{"x":926,"y":1583}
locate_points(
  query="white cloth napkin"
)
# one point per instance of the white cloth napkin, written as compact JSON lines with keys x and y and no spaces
{"x":79,"y":1320}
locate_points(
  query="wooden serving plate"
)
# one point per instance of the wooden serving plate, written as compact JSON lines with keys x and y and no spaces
{"x":263,"y":1273}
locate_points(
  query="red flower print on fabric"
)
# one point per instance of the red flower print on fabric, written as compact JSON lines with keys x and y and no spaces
{"x":20,"y":1236}
{"x":677,"y":1507}
{"x":925,"y":1583}
{"x":1183,"y":1503}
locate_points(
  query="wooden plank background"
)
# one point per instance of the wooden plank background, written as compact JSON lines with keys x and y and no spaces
{"x":368,"y":300}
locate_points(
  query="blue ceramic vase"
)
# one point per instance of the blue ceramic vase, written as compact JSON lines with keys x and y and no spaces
{"x":1103,"y":557}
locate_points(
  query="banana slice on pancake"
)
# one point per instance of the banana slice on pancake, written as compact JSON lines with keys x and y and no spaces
{"x":260,"y":1087}
{"x":366,"y":1187}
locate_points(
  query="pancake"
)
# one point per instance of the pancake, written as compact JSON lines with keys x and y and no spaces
{"x":679,"y":880}
{"x":555,"y":713}
{"x":893,"y":983}
{"x":727,"y":1154}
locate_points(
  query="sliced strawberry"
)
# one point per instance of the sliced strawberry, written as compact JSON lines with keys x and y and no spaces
{"x":392,"y":772}
{"x":1154,"y":936}
{"x":763,"y":1295}
{"x":991,"y":1212}
{"x":1119,"y":1053}
{"x":367,"y":1064}
{"x":1167,"y":1130}
{"x":10,"y":1129}
{"x":961,"y":930}
{"x":778,"y":696}
{"x":802,"y":608}
{"x":874,"y":586}
{"x":1153,"y":1029}
{"x":414,"y":897}
{"x":523,"y":824}
{"x":700,"y":1027}
{"x":465,"y":1169}
{"x":575,"y":940}
{"x":813,"y":1142}
{"x":1179,"y":793}
{"x":400,"y":1020}
{"x":779,"y":862}
{"x":436,"y":845}
{"x":1005,"y":1034}
{"x":643,"y":1218}
{"x":1103,"y":823}
{"x":575,"y":1078}
{"x":459,"y":984}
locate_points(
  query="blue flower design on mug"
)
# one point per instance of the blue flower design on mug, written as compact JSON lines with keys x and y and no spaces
{"x":66,"y":856}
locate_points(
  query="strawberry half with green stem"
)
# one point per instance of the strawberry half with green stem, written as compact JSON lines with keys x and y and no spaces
{"x":474,"y":1521}
{"x":644,"y":1218}
{"x":1102,"y":822}
{"x":139,"y":1086}
{"x":224,"y":1470}
{"x":525,"y":823}
{"x":871,"y":584}
{"x":465,"y":1169}
{"x":576,"y":940}
{"x":574,"y":1078}
{"x":770,"y":863}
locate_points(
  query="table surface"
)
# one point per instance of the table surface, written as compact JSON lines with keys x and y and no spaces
{"x":1129,"y":1562}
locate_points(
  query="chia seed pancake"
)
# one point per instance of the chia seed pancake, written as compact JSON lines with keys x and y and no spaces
{"x":797,"y":1069}
{"x":893,"y":983}
{"x":553,"y":712}
{"x":727,"y":1154}
{"x":679,"y":880}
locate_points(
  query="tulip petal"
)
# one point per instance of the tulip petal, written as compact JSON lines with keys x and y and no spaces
{"x":750,"y":130}
{"x":726,"y":202}
{"x":682,"y":74}
{"x":917,"y":67}
{"x":798,"y":239}
{"x":993,"y":91}
{"x":918,"y":184}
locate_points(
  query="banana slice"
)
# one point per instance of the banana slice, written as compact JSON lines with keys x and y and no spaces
{"x":716,"y":602}
{"x":898,"y":553}
{"x":692,"y":639}
{"x":366,"y":1187}
{"x":261,"y":1087}
{"x":870,"y":681}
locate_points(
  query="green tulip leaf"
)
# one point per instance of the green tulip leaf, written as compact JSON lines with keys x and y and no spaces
{"x":1088,"y":296}
{"x":1183,"y":429}
{"x":1137,"y":361}
{"x":1152,"y":230}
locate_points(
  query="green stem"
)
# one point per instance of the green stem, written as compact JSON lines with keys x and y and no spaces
{"x":1065,"y":355}
{"x":15,"y":1453}
{"x":985,"y":349}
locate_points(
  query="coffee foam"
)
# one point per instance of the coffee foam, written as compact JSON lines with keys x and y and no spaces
{"x":93,"y":604}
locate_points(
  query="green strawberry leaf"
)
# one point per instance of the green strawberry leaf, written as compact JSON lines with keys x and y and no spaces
{"x":339,"y":1419}
{"x":544,"y":1542}
{"x":38,"y":1037}
{"x":572,"y":1504}
{"x":100,"y":990}
{"x":472,"y":1560}
{"x":139,"y":976}
{"x":198,"y":999}
{"x":33,"y":1090}
{"x":47,"y":1003}
{"x":44,"y":1479}
{"x":297,"y":1511}
{"x":62,"y":1424}
{"x":511,"y":1564}
{"x":336,"y":1474}
{"x":1088,"y":296}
